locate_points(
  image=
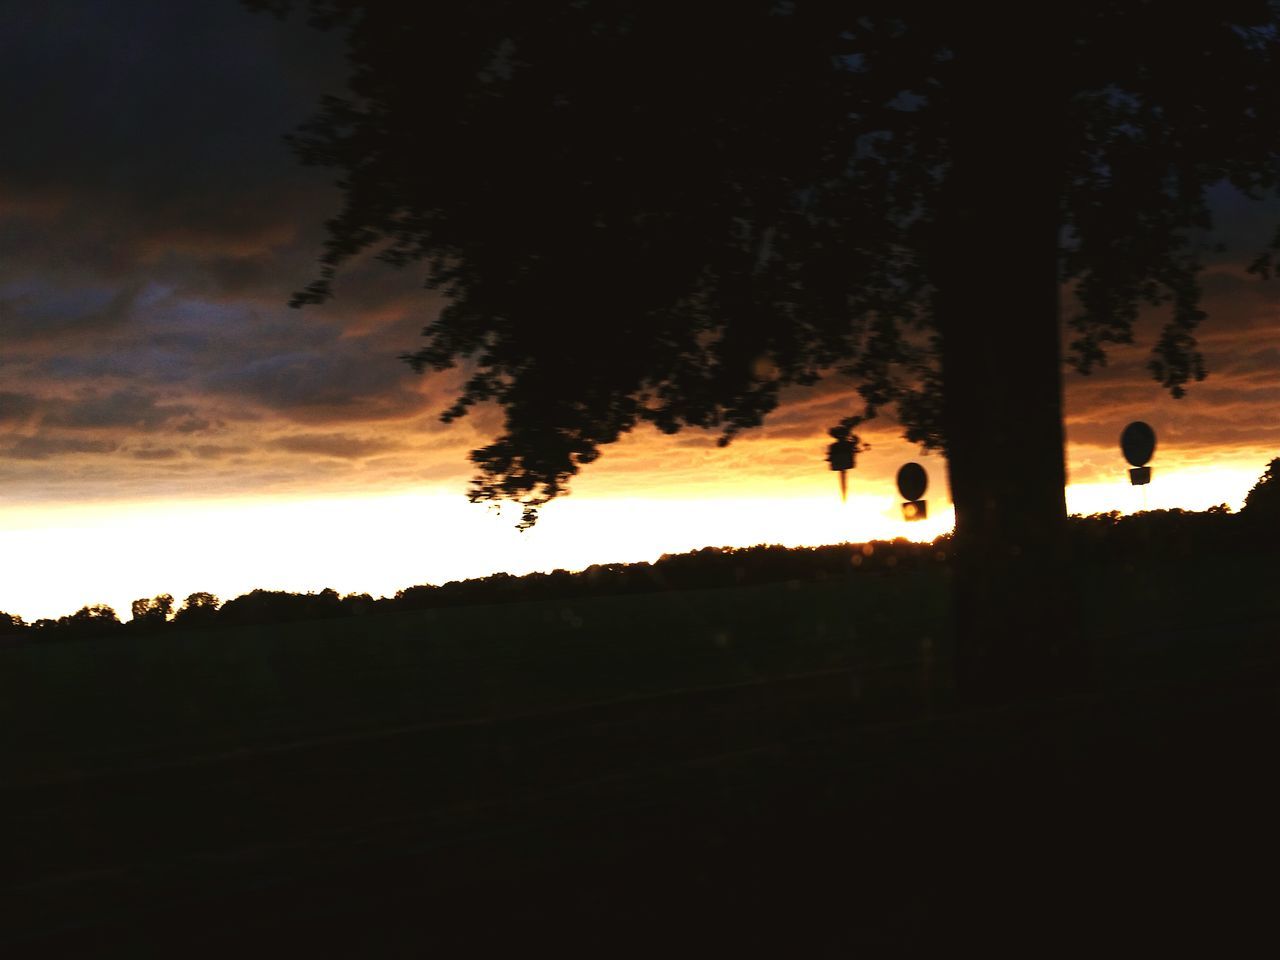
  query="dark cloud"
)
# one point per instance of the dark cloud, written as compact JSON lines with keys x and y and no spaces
{"x":1260,"y":366}
{"x":1236,"y":405}
{"x":314,"y":386}
{"x":216,"y":451}
{"x":44,"y":447}
{"x":53,"y":314}
{"x":156,"y":453}
{"x":163,"y":118}
{"x":16,"y":408}
{"x":1243,"y":227}
{"x":120,"y":411}
{"x":336,"y":445}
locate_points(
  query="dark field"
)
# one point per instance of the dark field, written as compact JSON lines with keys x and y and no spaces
{"x":767,"y":769}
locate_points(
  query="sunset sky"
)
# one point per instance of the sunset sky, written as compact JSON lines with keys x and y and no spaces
{"x":167,"y":424}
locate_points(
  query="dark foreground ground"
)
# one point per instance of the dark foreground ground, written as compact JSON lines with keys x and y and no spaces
{"x":772,"y":771}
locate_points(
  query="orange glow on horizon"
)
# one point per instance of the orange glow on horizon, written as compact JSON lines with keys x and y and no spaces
{"x":59,"y":558}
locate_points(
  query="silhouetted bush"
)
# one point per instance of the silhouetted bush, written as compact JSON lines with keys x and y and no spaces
{"x":198,"y":609}
{"x":151,"y":614}
{"x":1162,"y":533}
{"x":357,"y":604}
{"x":710,"y":567}
{"x":1262,"y":506}
{"x":13,"y":628}
{"x":277,"y":606}
{"x":92,"y":621}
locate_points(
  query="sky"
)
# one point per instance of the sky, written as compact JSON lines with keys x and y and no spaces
{"x":168,"y":424}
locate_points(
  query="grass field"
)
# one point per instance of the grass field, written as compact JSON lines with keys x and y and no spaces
{"x":91,"y":705}
{"x":738,"y":759}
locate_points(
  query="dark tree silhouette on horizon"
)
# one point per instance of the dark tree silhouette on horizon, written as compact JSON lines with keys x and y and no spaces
{"x":151,"y":613}
{"x":199,"y":607}
{"x":667,"y":212}
{"x":1262,"y":505}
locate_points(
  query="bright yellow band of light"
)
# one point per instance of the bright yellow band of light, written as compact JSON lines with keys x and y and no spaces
{"x":59,"y":558}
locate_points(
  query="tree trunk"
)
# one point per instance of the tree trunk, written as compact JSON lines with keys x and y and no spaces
{"x":997,"y":305}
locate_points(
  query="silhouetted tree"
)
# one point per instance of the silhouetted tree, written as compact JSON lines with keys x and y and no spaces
{"x":97,"y":613}
{"x":277,"y":606}
{"x":11,"y":626}
{"x":90,"y":621}
{"x":358,"y":604}
{"x":1156,"y":535}
{"x":1262,"y":505}
{"x":668,"y":212}
{"x":198,"y":609}
{"x":149,"y":614}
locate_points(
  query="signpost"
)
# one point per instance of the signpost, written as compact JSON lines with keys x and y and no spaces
{"x":841,"y":456}
{"x":1138,"y":443}
{"x":913,"y":481}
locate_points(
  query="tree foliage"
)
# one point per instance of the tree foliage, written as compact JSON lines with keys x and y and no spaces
{"x":278,"y":606}
{"x":94,"y":620}
{"x":1262,"y":505}
{"x":198,"y":608}
{"x":153,"y":612}
{"x":668,"y":213}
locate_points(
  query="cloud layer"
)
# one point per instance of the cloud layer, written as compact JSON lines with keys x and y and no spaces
{"x":152,"y":226}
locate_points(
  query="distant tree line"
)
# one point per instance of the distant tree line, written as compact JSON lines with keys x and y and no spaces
{"x":1103,"y":537}
{"x":706,"y":568}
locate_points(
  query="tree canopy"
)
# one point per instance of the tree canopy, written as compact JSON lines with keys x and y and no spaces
{"x":1263,"y":502}
{"x":667,"y":213}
